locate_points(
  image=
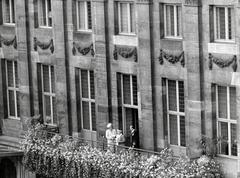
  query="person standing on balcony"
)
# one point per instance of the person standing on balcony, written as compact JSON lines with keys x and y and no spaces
{"x":111,"y":136}
{"x":120,"y":139}
{"x":133,"y":137}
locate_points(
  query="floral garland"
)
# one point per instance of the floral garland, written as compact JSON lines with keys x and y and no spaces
{"x":7,"y":42}
{"x":171,"y":58}
{"x":223,"y":63}
{"x":42,"y":45}
{"x":57,"y":155}
{"x":83,"y":51}
{"x":125,"y":52}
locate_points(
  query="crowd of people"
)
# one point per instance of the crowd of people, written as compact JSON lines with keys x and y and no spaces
{"x":116,"y":137}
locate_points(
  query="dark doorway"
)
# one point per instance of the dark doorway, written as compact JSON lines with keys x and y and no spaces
{"x":7,"y":169}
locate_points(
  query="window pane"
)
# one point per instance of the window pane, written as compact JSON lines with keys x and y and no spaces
{"x":179,"y":21}
{"x":16,"y":75}
{"x":181,"y":96}
{"x":224,"y":137}
{"x":52,"y":79}
{"x":85,"y":113}
{"x":54,"y":110}
{"x":89,"y":15}
{"x":47,"y":104}
{"x":93,"y":117}
{"x":128,"y":120}
{"x":11,"y":103}
{"x":234,"y":139}
{"x":221,"y":22}
{"x":7,"y":11}
{"x":222,"y":101}
{"x":172,"y":97}
{"x":81,"y":14}
{"x":135,"y":94}
{"x":124,"y":17}
{"x":182,"y":131}
{"x":173,"y":129}
{"x":126,"y":89}
{"x":18,"y":104}
{"x":170,"y":20}
{"x":84,"y":83}
{"x":49,"y":6}
{"x":46,"y":86}
{"x":233,"y":103}
{"x":10,"y":73}
{"x":42,"y":12}
{"x":92,"y":87}
{"x":13,"y":12}
{"x":132,"y":17}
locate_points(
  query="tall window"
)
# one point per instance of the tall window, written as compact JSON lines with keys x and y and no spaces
{"x":226,"y":120}
{"x":84,"y":15}
{"x":12,"y":82}
{"x":172,"y":20}
{"x":224,"y":23}
{"x":45,"y":13}
{"x":126,"y":18}
{"x":176,"y":112}
{"x":87,"y":96}
{"x":48,"y":94}
{"x":8,"y":12}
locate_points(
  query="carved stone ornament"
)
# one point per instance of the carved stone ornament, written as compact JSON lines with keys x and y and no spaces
{"x":8,"y":42}
{"x":125,"y":52}
{"x":82,"y":50}
{"x":43,"y":45}
{"x":171,"y":58}
{"x":222,"y":63}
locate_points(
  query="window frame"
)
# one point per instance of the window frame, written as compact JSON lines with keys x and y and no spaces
{"x":49,"y":94}
{"x":86,"y":19}
{"x":129,"y":18}
{"x":177,"y":113}
{"x":15,"y":89}
{"x":11,"y":9}
{"x":89,"y":100}
{"x":216,"y":38}
{"x":227,"y":120}
{"x":47,"y":14}
{"x":176,"y":28}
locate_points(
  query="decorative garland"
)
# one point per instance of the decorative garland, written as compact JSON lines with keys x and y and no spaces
{"x":171,"y":58}
{"x":7,"y":42}
{"x":223,"y":63}
{"x":83,"y":51}
{"x":42,"y":45}
{"x":125,"y":52}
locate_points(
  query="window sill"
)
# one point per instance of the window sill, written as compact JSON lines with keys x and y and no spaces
{"x":224,"y":41}
{"x":84,"y":31}
{"x":127,"y":34}
{"x":14,"y":118}
{"x":227,"y":156}
{"x":172,"y":38}
{"x":44,"y":27}
{"x":9,"y":24}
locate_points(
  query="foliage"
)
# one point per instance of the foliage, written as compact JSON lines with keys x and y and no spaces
{"x":58,"y":156}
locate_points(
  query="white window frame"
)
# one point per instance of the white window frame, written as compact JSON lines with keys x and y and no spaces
{"x":47,"y":14}
{"x":14,"y":88}
{"x":216,"y":38}
{"x":131,"y":106}
{"x":129,"y":19}
{"x":227,"y":120}
{"x":86,"y":27}
{"x":175,"y":36}
{"x":11,"y":9}
{"x":89,"y":100}
{"x":177,"y":113}
{"x":50,"y":94}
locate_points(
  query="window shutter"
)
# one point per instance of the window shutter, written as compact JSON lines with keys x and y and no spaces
{"x":214,"y":114}
{"x":164,"y":104}
{"x":161,"y":13}
{"x":1,"y":13}
{"x":78,"y":100}
{"x":36,"y":23}
{"x":211,"y":23}
{"x":40,"y":101}
{"x":119,"y":96}
{"x":116,"y":27}
{"x":5,"y":107}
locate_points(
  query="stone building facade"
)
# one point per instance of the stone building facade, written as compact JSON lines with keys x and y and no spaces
{"x":167,"y":67}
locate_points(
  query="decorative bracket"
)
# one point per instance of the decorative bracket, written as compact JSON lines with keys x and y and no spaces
{"x":223,"y":63}
{"x":43,"y":45}
{"x":171,"y":58}
{"x":84,"y":51}
{"x":8,"y":42}
{"x":125,"y":52}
